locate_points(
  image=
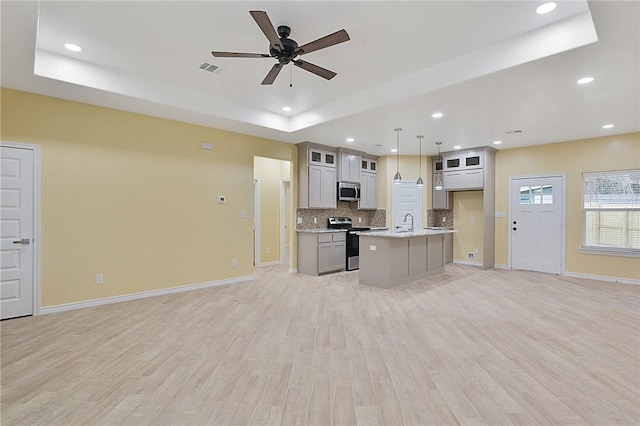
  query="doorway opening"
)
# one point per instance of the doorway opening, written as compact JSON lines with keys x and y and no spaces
{"x":272,"y":205}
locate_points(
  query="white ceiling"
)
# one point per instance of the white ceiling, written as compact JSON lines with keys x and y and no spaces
{"x":490,"y":67}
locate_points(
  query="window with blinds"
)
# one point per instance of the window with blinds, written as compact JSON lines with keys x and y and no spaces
{"x":611,"y":211}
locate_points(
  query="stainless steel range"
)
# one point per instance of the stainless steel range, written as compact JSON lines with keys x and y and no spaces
{"x":353,"y":239}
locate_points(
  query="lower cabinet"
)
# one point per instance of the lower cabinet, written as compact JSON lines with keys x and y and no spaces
{"x":319,"y":253}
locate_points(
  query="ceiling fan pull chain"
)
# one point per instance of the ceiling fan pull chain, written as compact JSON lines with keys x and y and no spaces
{"x":290,"y":75}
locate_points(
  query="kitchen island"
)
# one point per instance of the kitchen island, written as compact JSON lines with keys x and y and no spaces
{"x":389,"y":259}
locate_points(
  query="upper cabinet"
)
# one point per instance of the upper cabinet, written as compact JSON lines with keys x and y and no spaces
{"x":368,"y":183}
{"x":368,"y":165}
{"x":317,"y":173}
{"x":349,"y":167}
{"x":320,"y":157}
{"x":463,"y":170}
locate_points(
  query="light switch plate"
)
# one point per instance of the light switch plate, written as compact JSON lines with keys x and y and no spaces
{"x":372,"y":248}
{"x":243,"y":214}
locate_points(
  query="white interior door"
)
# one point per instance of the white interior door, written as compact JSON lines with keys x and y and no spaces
{"x":17,"y":252}
{"x":407,"y":198}
{"x":536,"y":223}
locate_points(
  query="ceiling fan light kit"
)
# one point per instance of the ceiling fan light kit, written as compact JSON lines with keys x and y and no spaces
{"x":286,"y":50}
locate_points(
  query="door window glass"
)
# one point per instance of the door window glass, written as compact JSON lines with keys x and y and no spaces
{"x":536,"y":194}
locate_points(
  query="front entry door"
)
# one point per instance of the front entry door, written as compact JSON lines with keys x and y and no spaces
{"x":536,"y":224}
{"x":16,"y":232}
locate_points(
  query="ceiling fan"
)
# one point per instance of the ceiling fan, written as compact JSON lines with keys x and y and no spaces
{"x":286,"y":50}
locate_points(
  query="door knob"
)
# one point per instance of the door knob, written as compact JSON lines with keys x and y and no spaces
{"x":514,"y":222}
{"x":22,"y":241}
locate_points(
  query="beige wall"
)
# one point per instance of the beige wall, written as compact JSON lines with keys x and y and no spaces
{"x":573,"y":158}
{"x":270,"y":172}
{"x":468,"y":221}
{"x":134,"y":197}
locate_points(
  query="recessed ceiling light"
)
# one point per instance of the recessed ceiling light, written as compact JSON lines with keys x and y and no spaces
{"x":457,"y":147}
{"x":350,"y":139}
{"x":73,"y":47}
{"x":607,"y":126}
{"x":286,"y":108}
{"x":394,"y":150}
{"x":497,"y":142}
{"x":585,"y":80}
{"x":437,"y":115}
{"x":545,"y":8}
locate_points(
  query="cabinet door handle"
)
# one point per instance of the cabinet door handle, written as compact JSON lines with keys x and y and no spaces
{"x":514,"y":228}
{"x":22,"y":241}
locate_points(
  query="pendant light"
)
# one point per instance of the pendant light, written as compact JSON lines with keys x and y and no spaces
{"x":397,"y":179}
{"x":438,"y":185}
{"x":419,"y":182}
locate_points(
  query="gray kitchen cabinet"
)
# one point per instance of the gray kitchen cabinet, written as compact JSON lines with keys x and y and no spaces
{"x":461,"y":180}
{"x":369,"y":164}
{"x":317,"y":177}
{"x":322,"y":187}
{"x":319,"y":253}
{"x":349,"y":166}
{"x":368,"y":191}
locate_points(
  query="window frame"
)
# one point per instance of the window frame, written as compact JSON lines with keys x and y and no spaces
{"x":604,"y":250}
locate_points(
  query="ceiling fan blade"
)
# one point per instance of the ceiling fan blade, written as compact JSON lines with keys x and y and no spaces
{"x":319,"y":71}
{"x":239,"y":55}
{"x":270,"y":78}
{"x":263,"y":21}
{"x":326,"y":41}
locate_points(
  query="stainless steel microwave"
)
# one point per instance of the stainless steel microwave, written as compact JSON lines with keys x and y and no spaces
{"x":348,"y":191}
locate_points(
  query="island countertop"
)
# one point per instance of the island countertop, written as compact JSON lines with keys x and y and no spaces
{"x":416,"y":233}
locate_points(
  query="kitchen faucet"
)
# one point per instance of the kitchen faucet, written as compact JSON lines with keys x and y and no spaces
{"x":405,"y":220}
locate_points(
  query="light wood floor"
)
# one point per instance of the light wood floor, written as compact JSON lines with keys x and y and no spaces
{"x":468,"y":347}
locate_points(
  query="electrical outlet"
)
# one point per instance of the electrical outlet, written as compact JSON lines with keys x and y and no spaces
{"x":99,"y":279}
{"x":315,"y":220}
{"x":243,"y":214}
{"x":299,"y":221}
{"x":471,"y":255}
{"x":234,"y":262}
{"x":444,"y":219}
{"x":359,"y":220}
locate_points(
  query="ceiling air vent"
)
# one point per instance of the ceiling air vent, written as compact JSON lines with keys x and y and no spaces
{"x":209,"y":67}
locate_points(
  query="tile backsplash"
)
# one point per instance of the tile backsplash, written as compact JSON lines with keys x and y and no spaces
{"x":435,"y":218}
{"x":369,"y":217}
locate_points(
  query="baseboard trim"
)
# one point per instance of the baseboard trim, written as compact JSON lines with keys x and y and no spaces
{"x":293,"y":270}
{"x":142,"y":295}
{"x":467,"y":262}
{"x":502,"y":266}
{"x":602,"y":278}
{"x":274,"y":263}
